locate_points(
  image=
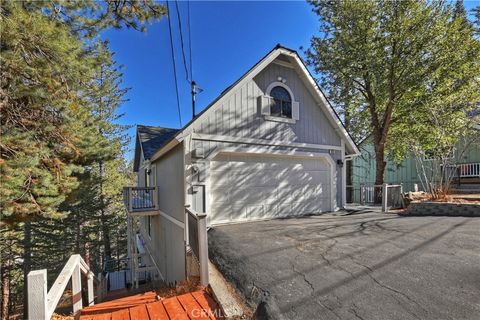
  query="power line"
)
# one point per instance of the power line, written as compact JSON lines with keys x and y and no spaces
{"x":189,"y":39}
{"x":181,"y":39}
{"x":174,"y":64}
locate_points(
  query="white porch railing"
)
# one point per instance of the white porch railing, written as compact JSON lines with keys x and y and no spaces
{"x":469,"y":170}
{"x":196,"y":240}
{"x":42,"y":303}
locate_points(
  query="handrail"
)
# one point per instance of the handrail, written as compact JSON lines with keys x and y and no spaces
{"x":140,"y":198}
{"x":202,"y":237}
{"x":42,"y":304}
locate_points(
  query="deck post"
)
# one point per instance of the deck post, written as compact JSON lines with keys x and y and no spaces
{"x":187,"y":232}
{"x":91,"y":295}
{"x":130,"y":200}
{"x":77,"y":289}
{"x":203,"y":248}
{"x":385,"y":197}
{"x":37,"y":294}
{"x":155,"y":198}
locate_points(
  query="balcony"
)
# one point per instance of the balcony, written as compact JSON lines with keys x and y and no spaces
{"x":141,"y":201}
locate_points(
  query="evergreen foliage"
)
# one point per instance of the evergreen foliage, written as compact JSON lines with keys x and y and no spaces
{"x":393,"y":68}
{"x":62,"y":151}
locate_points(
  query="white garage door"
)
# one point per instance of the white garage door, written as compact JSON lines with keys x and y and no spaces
{"x":251,"y":187}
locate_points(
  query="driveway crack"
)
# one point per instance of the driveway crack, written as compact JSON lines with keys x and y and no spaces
{"x":303,"y":276}
{"x":355,"y":312}
{"x":370,"y":275}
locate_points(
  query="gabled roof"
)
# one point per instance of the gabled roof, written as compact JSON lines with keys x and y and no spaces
{"x":310,"y":83}
{"x":149,"y":140}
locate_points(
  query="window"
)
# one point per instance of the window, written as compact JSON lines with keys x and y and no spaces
{"x":281,"y":104}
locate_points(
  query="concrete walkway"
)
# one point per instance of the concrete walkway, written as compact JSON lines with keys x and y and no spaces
{"x":354,"y":265}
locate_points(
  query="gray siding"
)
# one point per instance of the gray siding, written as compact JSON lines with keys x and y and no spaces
{"x":167,"y":238}
{"x":239,"y":115}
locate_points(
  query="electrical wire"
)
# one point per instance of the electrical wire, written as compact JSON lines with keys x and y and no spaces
{"x":174,"y":64}
{"x":189,"y":39}
{"x":181,"y":39}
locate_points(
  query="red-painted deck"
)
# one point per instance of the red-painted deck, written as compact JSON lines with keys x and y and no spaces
{"x":145,"y":306}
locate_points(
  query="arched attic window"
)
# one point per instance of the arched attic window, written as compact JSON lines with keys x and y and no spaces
{"x":281,"y":106}
{"x":278,"y":103}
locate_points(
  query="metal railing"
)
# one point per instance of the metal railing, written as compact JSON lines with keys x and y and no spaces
{"x":140,"y":198}
{"x":42,"y":302}
{"x":197,"y":241}
{"x":364,"y":194}
{"x":390,"y":196}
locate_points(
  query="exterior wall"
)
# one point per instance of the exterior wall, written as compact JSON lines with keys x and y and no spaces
{"x":405,"y":172}
{"x":239,"y":116}
{"x":203,"y":176}
{"x":167,"y":237}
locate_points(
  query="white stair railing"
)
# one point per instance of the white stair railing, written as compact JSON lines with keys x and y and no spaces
{"x":42,"y":303}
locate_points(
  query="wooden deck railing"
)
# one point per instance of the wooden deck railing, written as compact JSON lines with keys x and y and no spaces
{"x":138,"y":199}
{"x":196,"y":239}
{"x":42,"y":302}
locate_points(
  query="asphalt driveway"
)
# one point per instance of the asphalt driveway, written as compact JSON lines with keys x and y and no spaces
{"x":354,"y":265}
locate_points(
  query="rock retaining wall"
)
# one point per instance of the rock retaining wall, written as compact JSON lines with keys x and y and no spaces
{"x":443,"y":209}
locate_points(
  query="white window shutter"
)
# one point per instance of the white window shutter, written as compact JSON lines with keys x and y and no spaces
{"x":295,"y":110}
{"x":264,"y":103}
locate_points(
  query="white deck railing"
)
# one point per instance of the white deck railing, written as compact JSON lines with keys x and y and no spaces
{"x":469,"y":170}
{"x":42,"y":303}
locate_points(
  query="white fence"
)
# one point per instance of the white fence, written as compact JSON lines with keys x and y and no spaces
{"x":469,"y":170}
{"x":42,"y":302}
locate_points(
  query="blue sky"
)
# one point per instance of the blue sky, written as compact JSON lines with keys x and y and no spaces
{"x":227,"y":39}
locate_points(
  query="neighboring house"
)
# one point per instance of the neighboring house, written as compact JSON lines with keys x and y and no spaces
{"x":466,"y":161}
{"x":270,"y":146}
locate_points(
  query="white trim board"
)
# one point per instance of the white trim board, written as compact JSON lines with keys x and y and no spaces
{"x":263,"y":142}
{"x":172,"y":219}
{"x":311,"y":85}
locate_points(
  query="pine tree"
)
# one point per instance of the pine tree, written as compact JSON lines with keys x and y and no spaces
{"x":393,"y":59}
{"x":55,"y":133}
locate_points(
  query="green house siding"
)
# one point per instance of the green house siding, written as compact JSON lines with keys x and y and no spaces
{"x":363,"y":167}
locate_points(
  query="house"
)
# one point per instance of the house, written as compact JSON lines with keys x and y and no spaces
{"x":465,"y":163}
{"x":270,"y":146}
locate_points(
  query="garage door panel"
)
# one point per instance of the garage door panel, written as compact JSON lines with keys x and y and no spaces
{"x":221,"y":212}
{"x":260,"y":187}
{"x":248,"y":195}
{"x":221,"y":194}
{"x":255,"y":212}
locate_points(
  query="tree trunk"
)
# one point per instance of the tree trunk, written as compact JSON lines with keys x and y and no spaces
{"x":380,"y":165}
{"x":27,"y":263}
{"x":5,"y":289}
{"x":87,"y":256}
{"x":104,"y":219}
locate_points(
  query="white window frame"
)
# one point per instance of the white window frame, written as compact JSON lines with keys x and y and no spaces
{"x":292,"y":96}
